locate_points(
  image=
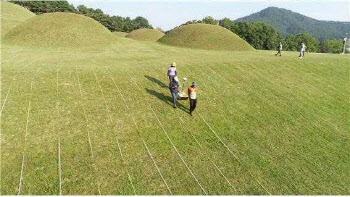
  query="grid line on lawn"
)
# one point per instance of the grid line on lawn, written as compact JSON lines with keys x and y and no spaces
{"x":59,"y":138}
{"x":88,"y":132}
{"x":264,"y":78}
{"x":145,"y":144}
{"x":173,"y":145}
{"x":7,"y":94}
{"x":8,"y":91}
{"x":200,"y":146}
{"x":229,"y":150}
{"x":12,"y":56}
{"x":25,"y":136}
{"x":111,"y":121}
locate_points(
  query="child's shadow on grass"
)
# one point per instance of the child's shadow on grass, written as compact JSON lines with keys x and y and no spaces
{"x":166,"y":99}
{"x":157,"y":81}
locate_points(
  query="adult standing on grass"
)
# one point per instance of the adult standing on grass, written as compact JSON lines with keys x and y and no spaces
{"x":279,"y":49}
{"x":302,"y":50}
{"x":172,"y":71}
{"x":174,"y":90}
{"x":192,"y":95}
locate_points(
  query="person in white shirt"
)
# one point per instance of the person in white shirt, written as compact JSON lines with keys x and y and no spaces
{"x":302,"y":50}
{"x":172,"y":72}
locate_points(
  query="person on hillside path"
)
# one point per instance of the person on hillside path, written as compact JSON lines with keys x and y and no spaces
{"x":302,"y":50}
{"x":174,"y":90}
{"x":172,"y":71}
{"x":279,"y":49}
{"x":192,"y":95}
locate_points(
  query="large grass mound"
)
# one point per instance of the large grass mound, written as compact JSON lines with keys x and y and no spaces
{"x":60,"y":30}
{"x":145,"y":34}
{"x":12,"y":15}
{"x":204,"y":36}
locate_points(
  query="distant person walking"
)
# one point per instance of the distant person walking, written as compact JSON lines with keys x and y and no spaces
{"x":302,"y":50}
{"x":192,"y":95}
{"x":279,"y":49}
{"x":174,"y":90}
{"x":172,"y":71}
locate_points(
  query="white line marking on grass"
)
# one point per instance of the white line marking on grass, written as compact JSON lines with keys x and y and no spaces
{"x":116,"y":137}
{"x":200,"y":146}
{"x":217,"y":136}
{"x":12,"y":56}
{"x":178,"y":153}
{"x":145,"y":144}
{"x":7,"y":94}
{"x":155,"y":164}
{"x":59,"y":139}
{"x":25,"y":135}
{"x":59,"y":165}
{"x":88,"y":132}
{"x":21,"y":176}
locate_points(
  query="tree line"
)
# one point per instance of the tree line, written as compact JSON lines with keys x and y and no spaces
{"x":113,"y":23}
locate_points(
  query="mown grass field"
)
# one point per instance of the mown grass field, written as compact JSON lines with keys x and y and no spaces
{"x":101,"y":122}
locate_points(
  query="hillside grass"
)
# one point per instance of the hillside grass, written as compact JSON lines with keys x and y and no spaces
{"x":12,"y":15}
{"x":283,"y":121}
{"x":205,"y":36}
{"x":145,"y":35}
{"x":60,"y":30}
{"x":120,"y":34}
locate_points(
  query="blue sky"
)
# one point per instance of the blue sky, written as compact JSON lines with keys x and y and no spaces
{"x":167,"y":14}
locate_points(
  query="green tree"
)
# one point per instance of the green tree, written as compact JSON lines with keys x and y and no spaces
{"x":227,"y":23}
{"x":331,"y":46}
{"x":210,"y":20}
{"x":141,"y":22}
{"x":310,"y":42}
{"x":290,"y":44}
{"x":40,"y":7}
{"x":259,"y":35}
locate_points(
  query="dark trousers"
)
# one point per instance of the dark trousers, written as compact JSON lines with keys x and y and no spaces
{"x":174,"y":94}
{"x":193,"y":104}
{"x":279,"y":53}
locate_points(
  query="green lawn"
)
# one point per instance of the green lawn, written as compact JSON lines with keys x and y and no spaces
{"x":101,"y":122}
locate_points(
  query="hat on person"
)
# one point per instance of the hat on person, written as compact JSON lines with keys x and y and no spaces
{"x":173,"y":64}
{"x":194,"y":83}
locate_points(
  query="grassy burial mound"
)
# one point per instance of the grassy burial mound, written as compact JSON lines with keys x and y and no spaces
{"x":120,"y":34}
{"x":60,"y":30}
{"x":204,"y":36}
{"x":145,"y":34}
{"x":12,"y":15}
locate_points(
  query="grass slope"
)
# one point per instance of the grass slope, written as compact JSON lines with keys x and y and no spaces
{"x":145,"y":35}
{"x":205,"y":36}
{"x":284,"y":122}
{"x":12,"y":15}
{"x":60,"y":30}
{"x":120,"y":34}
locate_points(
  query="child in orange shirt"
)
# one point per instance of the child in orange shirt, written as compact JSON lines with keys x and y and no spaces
{"x":192,"y":95}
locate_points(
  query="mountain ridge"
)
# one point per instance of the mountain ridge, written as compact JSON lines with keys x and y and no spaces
{"x":293,"y":23}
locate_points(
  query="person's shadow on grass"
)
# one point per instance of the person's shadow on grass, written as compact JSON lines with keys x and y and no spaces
{"x":157,"y":81}
{"x":167,"y":99}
